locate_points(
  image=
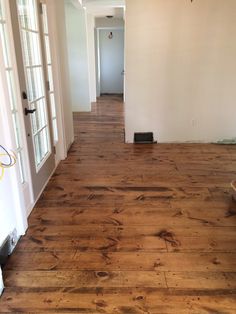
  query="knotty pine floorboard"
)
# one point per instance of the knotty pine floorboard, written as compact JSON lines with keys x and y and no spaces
{"x":129,"y":229}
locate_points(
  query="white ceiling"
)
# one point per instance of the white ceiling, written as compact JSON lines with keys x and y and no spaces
{"x":101,"y":8}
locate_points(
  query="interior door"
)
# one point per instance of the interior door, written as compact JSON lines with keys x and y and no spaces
{"x":31,"y":63}
{"x":111,"y":43}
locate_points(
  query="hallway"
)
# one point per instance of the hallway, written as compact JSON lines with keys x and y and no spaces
{"x":129,"y":229}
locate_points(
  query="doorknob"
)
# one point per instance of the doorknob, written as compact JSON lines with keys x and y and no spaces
{"x":123,"y":72}
{"x":29,"y":111}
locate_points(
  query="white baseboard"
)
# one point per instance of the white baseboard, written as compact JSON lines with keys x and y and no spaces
{"x":1,"y":282}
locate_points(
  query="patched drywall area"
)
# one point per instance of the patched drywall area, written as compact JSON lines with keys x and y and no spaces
{"x":181,"y":69}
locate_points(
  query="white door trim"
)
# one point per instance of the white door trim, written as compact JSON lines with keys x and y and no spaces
{"x":61,"y":147}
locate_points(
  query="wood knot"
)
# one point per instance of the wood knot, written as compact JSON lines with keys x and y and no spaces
{"x":114,"y":222}
{"x":99,"y":290}
{"x":158,"y":264}
{"x":102,"y":274}
{"x":179,"y":213}
{"x":100,"y":303}
{"x":140,"y":197}
{"x":213,"y":244}
{"x":117,"y":210}
{"x":168,"y":237}
{"x":230,"y":213}
{"x":216,"y":261}
{"x":139,"y":298}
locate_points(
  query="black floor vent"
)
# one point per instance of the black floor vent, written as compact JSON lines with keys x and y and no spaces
{"x":143,"y":138}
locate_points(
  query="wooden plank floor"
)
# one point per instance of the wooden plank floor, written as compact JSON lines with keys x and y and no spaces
{"x":129,"y":229}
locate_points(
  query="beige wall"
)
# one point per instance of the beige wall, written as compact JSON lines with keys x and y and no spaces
{"x":181,"y":69}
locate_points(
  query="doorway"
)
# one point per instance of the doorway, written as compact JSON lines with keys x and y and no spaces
{"x":111,"y":43}
{"x":110,"y":61}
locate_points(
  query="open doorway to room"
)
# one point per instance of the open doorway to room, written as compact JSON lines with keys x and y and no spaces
{"x":110,"y":59}
{"x":106,"y":36}
{"x":95,"y":43}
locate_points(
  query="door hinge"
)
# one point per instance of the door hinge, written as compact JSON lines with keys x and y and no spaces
{"x":54,"y":150}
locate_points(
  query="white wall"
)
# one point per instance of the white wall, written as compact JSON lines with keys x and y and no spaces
{"x":181,"y":69}
{"x":60,"y":65}
{"x":78,"y":57}
{"x":91,"y":56}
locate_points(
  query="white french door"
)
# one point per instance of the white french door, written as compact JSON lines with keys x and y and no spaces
{"x":12,"y":88}
{"x":28,"y":31}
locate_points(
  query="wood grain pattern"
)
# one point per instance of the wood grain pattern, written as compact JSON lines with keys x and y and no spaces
{"x":129,"y":229}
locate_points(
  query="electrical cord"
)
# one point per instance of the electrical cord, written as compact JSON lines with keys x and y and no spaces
{"x":6,"y":154}
{"x":3,"y":165}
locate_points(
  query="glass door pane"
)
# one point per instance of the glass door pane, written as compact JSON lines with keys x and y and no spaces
{"x":49,"y":73}
{"x":30,"y":62}
{"x":34,"y":72}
